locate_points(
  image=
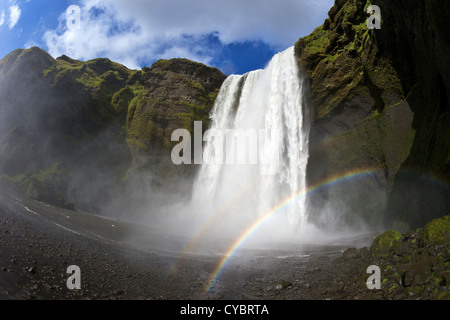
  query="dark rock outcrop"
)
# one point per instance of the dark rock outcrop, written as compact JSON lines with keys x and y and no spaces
{"x":381,"y":113}
{"x":415,"y":39}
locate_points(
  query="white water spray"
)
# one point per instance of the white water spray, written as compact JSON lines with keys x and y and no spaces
{"x":237,"y":195}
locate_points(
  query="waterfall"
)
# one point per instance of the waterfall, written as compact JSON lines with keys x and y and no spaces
{"x":262,"y":114}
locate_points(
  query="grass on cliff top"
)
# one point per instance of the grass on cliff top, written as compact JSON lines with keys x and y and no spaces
{"x":91,"y":73}
{"x":317,"y":41}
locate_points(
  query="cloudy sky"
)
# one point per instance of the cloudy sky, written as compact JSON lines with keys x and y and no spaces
{"x":234,"y":35}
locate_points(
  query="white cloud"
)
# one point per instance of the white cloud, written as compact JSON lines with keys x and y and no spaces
{"x":2,"y":18}
{"x":14,"y":15}
{"x":30,"y":43}
{"x":136,"y":30}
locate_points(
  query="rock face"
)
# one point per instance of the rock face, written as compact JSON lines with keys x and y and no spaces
{"x":380,"y":144}
{"x":80,"y":133}
{"x":424,"y":72}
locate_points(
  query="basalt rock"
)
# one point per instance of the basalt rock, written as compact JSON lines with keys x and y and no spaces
{"x":380,"y":113}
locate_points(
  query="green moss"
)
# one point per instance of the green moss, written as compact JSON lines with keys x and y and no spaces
{"x":18,"y":180}
{"x":56,"y":170}
{"x":33,"y":60}
{"x":135,"y":104}
{"x":437,"y":231}
{"x":137,"y":143}
{"x":331,"y":58}
{"x":161,"y":64}
{"x":349,"y":9}
{"x":121,"y":99}
{"x":197,"y":85}
{"x":317,"y":41}
{"x":213,"y":95}
{"x":44,"y":185}
{"x":395,"y":286}
{"x":88,"y":78}
{"x":7,"y":62}
{"x":383,"y":243}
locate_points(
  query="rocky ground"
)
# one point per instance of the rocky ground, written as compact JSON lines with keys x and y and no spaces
{"x":35,"y":254}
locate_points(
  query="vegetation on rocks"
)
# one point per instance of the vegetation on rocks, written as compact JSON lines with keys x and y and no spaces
{"x":376,"y":107}
{"x":437,"y":232}
{"x":411,"y":267}
{"x":415,"y":265}
{"x":101,"y":121}
{"x":383,"y":243}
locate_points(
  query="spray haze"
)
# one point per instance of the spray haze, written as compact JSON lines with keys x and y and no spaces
{"x":233,"y":199}
{"x":98,"y":140}
{"x":78,"y":135}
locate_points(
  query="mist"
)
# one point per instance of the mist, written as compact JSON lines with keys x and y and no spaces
{"x":61,"y":146}
{"x":236,"y":204}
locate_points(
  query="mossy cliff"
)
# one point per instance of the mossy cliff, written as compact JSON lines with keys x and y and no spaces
{"x":381,"y":113}
{"x":75,"y":132}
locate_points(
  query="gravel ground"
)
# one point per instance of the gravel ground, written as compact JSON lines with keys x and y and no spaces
{"x":35,"y":252}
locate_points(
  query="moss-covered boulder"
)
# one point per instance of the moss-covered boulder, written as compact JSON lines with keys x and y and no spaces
{"x":414,"y":265}
{"x":437,"y":231}
{"x":384,"y":242}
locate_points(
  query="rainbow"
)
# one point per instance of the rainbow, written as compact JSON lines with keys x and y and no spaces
{"x":212,"y":220}
{"x":338,"y":178}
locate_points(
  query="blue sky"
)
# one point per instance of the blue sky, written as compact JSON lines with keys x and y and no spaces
{"x":236,"y":36}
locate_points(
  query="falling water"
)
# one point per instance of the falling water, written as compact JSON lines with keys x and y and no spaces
{"x":267,"y":104}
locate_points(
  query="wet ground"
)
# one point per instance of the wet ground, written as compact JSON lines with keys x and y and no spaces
{"x":119,"y":260}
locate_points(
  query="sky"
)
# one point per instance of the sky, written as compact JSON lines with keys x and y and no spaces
{"x":235,"y":36}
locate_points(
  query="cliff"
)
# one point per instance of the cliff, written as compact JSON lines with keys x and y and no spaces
{"x":78,"y":133}
{"x":381,"y":112}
